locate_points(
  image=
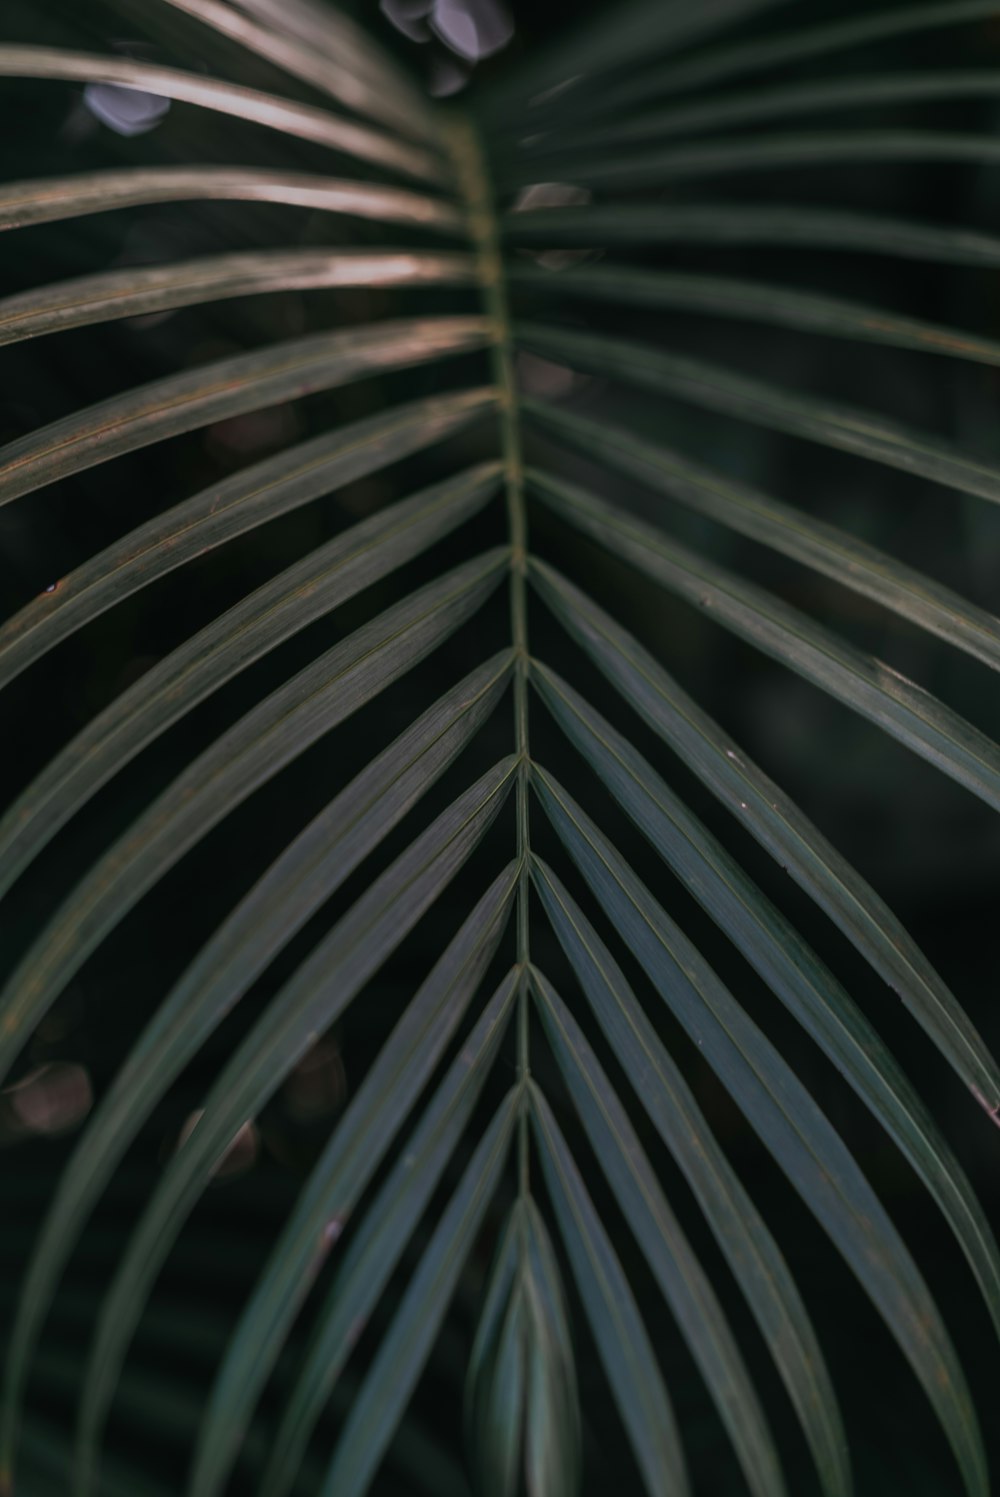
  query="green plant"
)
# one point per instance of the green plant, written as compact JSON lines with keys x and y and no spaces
{"x":522,"y":1413}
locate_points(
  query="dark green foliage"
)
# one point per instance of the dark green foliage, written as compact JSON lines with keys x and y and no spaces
{"x":463,"y":460}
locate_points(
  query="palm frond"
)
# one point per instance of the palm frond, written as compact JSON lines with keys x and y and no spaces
{"x":670,"y":1256}
{"x":784,"y":1115}
{"x":625,"y":1349}
{"x":736,"y":61}
{"x":384,"y":1233}
{"x":866,"y":685}
{"x":404,"y":1065}
{"x":138,"y":292}
{"x":860,"y":432}
{"x":753,"y":300}
{"x":743,"y":1237}
{"x":774,"y":820}
{"x":802,"y":225}
{"x":350,"y":71}
{"x":305,"y":122}
{"x":251,"y":497}
{"x":531,"y":1124}
{"x":313,"y":866}
{"x":320,"y":989}
{"x":54,"y":199}
{"x":230,"y":387}
{"x":791,"y":970}
{"x":835,"y":553}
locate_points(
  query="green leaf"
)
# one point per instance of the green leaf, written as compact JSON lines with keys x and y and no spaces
{"x":229,"y":387}
{"x":748,"y":1246}
{"x":552,"y":1443}
{"x":863,"y":683}
{"x":320,"y":582}
{"x":675,"y":1266}
{"x":764,"y":153}
{"x":53,"y":199}
{"x":497,"y":1452}
{"x":622,"y":1343}
{"x":792,"y":971}
{"x":381,"y":1237}
{"x":776,"y":50}
{"x":144,"y":289}
{"x":627,"y":66}
{"x":843,"y":427}
{"x":629,"y":34}
{"x":818,"y":96}
{"x":231,"y":507}
{"x":789,"y":1123}
{"x":311,"y":868}
{"x":330,"y":34}
{"x":522,"y":1413}
{"x":780,"y":827}
{"x":303,"y":121}
{"x":386,"y":1390}
{"x":396,"y":105}
{"x":850,"y":562}
{"x":492,"y":1440}
{"x":784,"y":225}
{"x":356,"y":1148}
{"x":312,"y":999}
{"x":757,"y":301}
{"x":263,"y":742}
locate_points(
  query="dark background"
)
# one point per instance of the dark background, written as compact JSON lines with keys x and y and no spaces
{"x":925,"y":844}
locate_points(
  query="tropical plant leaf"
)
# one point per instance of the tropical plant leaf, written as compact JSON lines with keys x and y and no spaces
{"x":229,"y":387}
{"x":290,"y":602}
{"x":636,"y":31}
{"x":758,"y":302}
{"x":738,"y":60}
{"x":791,"y":100}
{"x":303,"y":121}
{"x":423,"y":1166}
{"x":625,"y":1351}
{"x":552,"y":1436}
{"x":666,"y":79}
{"x":328,"y":33}
{"x":372,"y":1253}
{"x":53,"y":199}
{"x":348,"y":1162}
{"x":850,"y":562}
{"x":351,"y":79}
{"x":494,"y":1381}
{"x":791,"y":969}
{"x":788,"y":1122}
{"x":777,"y":823}
{"x":319,"y":860}
{"x":742,"y":1236}
{"x":803,"y":225}
{"x":738,"y":156}
{"x":126,"y":293}
{"x":498,"y":1438}
{"x":248,"y":498}
{"x":309,"y":1002}
{"x":521,"y":1399}
{"x":867,"y":685}
{"x":401,"y":1357}
{"x":246,"y":756}
{"x":667,"y":1250}
{"x":855,"y":431}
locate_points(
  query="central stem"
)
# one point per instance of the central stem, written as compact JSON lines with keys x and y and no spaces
{"x":478,"y":196}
